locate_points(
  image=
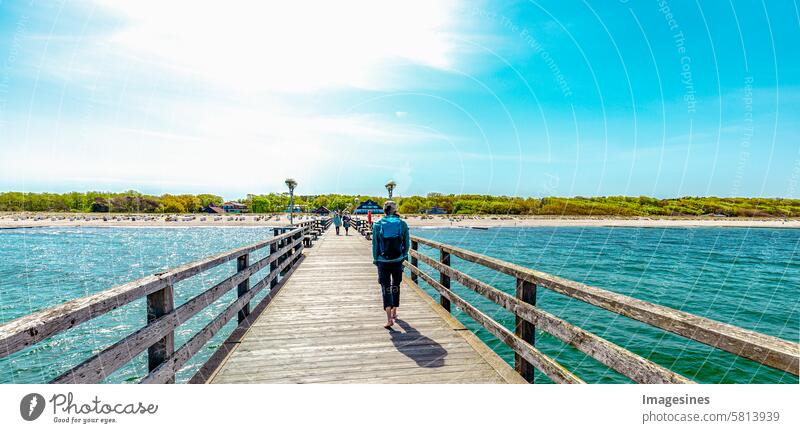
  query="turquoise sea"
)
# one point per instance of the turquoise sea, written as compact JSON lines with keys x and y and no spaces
{"x":747,"y":277}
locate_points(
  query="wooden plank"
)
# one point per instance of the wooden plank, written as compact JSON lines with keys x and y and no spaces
{"x":380,"y":360}
{"x":252,"y":348}
{"x":420,"y":377}
{"x":762,"y":348}
{"x":365,"y":371}
{"x":292,"y":360}
{"x":443,"y":337}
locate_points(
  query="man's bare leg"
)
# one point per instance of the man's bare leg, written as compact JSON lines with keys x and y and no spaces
{"x":389,"y":321}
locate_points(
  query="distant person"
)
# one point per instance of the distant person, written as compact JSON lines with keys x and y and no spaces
{"x":346,"y":223}
{"x":369,"y":218}
{"x":390,"y":245}
{"x":337,"y":221}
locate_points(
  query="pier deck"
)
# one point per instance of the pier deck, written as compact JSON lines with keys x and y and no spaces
{"x":325,"y":326}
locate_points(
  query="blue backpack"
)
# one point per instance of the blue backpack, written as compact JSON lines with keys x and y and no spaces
{"x":390,"y":242}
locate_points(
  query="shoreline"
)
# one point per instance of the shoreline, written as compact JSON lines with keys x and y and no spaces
{"x":55,"y":220}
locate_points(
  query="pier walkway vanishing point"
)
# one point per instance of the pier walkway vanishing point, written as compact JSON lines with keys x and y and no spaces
{"x":321,"y":321}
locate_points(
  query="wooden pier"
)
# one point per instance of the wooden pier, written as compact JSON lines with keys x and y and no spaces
{"x":325,"y":326}
{"x":321,"y":321}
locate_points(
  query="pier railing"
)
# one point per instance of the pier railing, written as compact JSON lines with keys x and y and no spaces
{"x":157,"y":336}
{"x":362,"y":227}
{"x":761,"y":348}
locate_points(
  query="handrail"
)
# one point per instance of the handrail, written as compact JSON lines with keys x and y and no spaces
{"x":362,"y":227}
{"x":622,"y":360}
{"x":157,"y":336}
{"x":764,"y":349}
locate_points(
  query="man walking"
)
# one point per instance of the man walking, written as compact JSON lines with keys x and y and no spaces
{"x":390,"y":245}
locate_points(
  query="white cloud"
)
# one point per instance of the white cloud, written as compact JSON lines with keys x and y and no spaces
{"x":296,"y":46}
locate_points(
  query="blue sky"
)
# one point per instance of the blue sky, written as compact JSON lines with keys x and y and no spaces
{"x":531,"y":98}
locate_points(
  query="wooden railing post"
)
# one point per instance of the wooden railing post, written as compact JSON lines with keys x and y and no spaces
{"x":280,"y":245}
{"x":297,"y":247}
{"x":526,"y":292}
{"x":242,"y":262}
{"x":444,"y":280}
{"x":284,"y":244}
{"x":290,"y":241}
{"x":160,"y":303}
{"x":415,"y":248}
{"x":273,"y":248}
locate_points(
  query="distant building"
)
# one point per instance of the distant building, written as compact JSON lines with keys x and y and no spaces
{"x":367,"y":206}
{"x":213,"y":208}
{"x":100,"y":205}
{"x":297,"y":209}
{"x":233,"y":207}
{"x":435,"y":211}
{"x":322,"y":210}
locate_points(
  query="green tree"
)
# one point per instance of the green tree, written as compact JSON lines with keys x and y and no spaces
{"x":208,"y":199}
{"x":171,"y":204}
{"x":260,"y":204}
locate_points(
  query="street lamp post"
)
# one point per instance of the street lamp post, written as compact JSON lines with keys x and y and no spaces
{"x":291,"y":183}
{"x":390,"y":187}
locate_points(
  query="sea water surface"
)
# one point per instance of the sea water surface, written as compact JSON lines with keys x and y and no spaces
{"x":42,"y":267}
{"x":747,"y":277}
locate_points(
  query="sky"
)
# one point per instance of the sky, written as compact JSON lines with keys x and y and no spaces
{"x":530,"y":98}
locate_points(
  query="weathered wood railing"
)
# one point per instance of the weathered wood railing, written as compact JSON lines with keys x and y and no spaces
{"x":157,"y":336}
{"x":764,"y":349}
{"x":362,"y":227}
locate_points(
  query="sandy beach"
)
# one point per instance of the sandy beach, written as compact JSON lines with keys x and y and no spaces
{"x":21,"y":220}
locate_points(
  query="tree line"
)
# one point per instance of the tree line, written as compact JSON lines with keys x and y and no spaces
{"x":461,"y":204}
{"x":97,"y":201}
{"x":603,"y":206}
